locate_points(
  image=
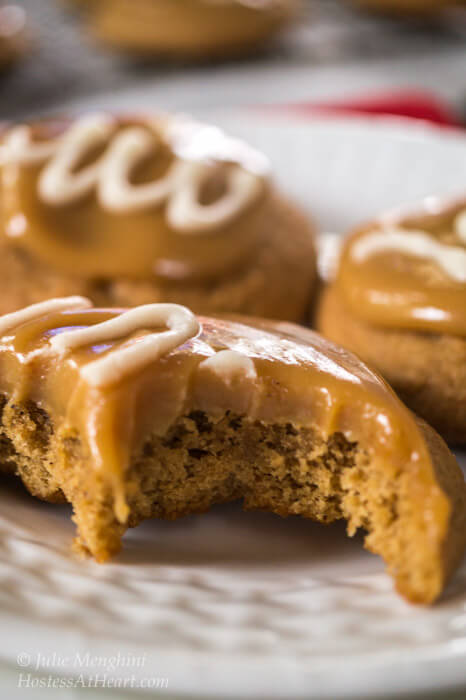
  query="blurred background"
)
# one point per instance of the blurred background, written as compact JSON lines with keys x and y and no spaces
{"x":335,"y":51}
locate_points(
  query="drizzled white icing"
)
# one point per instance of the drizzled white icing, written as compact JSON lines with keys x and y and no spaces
{"x":135,"y":353}
{"x":10,"y":321}
{"x":186,"y":214}
{"x":59,"y":183}
{"x":115,"y":192}
{"x":19,"y":148}
{"x":198,"y":150}
{"x":460,"y":226}
{"x":451,"y":259}
{"x":229,"y":364}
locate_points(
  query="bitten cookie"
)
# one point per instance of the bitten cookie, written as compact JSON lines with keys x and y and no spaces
{"x":154,"y":412}
{"x":129,"y":211}
{"x":399,"y":301}
{"x":197,"y":29}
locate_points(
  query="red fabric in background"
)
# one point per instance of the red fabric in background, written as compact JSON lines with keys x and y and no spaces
{"x":412,"y":104}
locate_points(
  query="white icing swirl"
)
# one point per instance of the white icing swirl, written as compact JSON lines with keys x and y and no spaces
{"x":198,"y":151}
{"x":115,"y":192}
{"x":451,"y":259}
{"x":460,"y":226}
{"x":135,"y":353}
{"x":187,"y":215}
{"x":58,"y":183}
{"x":19,"y":148}
{"x":10,"y":321}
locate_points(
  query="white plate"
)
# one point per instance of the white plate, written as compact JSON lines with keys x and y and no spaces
{"x":233,"y":605}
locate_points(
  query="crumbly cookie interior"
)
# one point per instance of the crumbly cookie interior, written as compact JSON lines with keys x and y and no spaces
{"x":201,"y":460}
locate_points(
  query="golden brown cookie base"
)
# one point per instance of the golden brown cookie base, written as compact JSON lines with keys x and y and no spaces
{"x":284,"y":468}
{"x":277,"y":283}
{"x":427,"y":371}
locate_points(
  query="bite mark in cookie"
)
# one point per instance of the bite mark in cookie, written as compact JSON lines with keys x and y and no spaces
{"x":270,"y":413}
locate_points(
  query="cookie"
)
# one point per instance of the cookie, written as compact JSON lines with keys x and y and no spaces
{"x":189,"y":29}
{"x":131,"y":211}
{"x":398,"y":300}
{"x":13,"y":34}
{"x":406,"y":7}
{"x":154,"y":412}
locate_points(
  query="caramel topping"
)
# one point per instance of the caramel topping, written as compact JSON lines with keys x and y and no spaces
{"x":273,"y":373}
{"x":409,"y":271}
{"x":102,"y":197}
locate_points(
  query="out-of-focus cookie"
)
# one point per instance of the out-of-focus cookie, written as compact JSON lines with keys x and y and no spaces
{"x":398,"y":300}
{"x":196,"y":29}
{"x":406,"y":7}
{"x":13,"y":34}
{"x":135,"y":210}
{"x":403,"y":6}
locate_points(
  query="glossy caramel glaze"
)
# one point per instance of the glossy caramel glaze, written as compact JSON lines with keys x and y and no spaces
{"x":416,"y":278}
{"x":83,"y":238}
{"x":276,"y":372}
